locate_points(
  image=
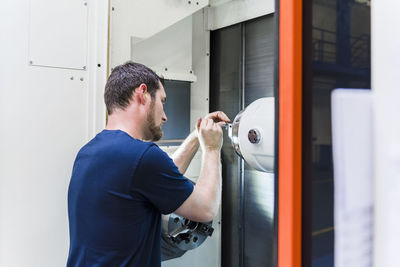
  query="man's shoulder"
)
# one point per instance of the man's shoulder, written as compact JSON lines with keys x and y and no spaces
{"x":116,"y":144}
{"x":154,"y":151}
{"x":156,"y":159}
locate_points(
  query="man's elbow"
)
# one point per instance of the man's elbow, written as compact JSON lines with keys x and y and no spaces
{"x":199,"y":207}
{"x":203,"y":215}
{"x":208,"y":215}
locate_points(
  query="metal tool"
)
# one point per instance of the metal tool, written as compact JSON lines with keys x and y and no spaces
{"x":180,"y":235}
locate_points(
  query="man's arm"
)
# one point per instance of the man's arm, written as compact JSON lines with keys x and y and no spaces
{"x":186,"y":151}
{"x":202,"y":205}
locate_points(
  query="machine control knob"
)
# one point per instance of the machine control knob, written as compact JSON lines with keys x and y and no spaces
{"x":254,"y":136}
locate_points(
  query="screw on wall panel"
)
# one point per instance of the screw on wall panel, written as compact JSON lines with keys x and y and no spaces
{"x":99,"y":65}
{"x":85,"y":3}
{"x":84,"y":67}
{"x":112,"y":9}
{"x":207,"y":54}
{"x":166,"y":69}
{"x":81,"y":79}
{"x":191,"y":71}
{"x":30,"y":62}
{"x":72,"y":78}
{"x":189,"y":2}
{"x":197,"y":3}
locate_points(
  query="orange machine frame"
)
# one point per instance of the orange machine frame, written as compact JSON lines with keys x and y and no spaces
{"x":290,"y":133}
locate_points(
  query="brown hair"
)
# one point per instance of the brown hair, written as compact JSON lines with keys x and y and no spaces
{"x":124,"y":79}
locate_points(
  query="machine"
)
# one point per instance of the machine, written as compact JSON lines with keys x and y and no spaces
{"x":180,"y":235}
{"x":252,"y":134}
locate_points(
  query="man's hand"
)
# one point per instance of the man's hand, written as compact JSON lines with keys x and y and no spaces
{"x":210,"y":135}
{"x":209,"y":130}
{"x":185,"y":153}
{"x":218,"y":117}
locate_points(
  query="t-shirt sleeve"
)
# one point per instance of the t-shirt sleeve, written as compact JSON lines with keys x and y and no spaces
{"x":158,"y":179}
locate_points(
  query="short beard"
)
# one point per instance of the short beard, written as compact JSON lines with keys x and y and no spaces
{"x":155,"y":131}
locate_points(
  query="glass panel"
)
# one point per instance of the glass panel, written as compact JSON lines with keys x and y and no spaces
{"x":340,"y":59}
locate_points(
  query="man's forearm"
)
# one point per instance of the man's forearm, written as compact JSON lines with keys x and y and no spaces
{"x":202,"y":205}
{"x":185,"y":153}
{"x":209,"y":182}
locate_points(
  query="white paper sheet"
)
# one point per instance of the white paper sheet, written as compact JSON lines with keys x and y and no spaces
{"x":353,"y":176}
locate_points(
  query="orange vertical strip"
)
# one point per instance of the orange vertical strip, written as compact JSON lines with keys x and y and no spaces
{"x":290,"y":133}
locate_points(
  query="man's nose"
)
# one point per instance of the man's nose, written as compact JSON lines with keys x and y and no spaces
{"x":164,"y":117}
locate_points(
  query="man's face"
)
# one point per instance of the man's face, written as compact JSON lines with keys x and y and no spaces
{"x":156,"y":116}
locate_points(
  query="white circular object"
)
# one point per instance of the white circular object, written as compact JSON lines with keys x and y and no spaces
{"x":256,"y":121}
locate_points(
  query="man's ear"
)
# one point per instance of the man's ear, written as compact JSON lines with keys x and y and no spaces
{"x":142,"y":94}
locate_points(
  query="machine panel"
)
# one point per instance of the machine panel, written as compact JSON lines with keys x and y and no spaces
{"x":58,"y":37}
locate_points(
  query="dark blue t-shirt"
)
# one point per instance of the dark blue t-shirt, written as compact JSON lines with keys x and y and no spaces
{"x":119,"y":188}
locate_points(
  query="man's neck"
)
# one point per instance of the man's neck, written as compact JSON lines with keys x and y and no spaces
{"x":120,"y":124}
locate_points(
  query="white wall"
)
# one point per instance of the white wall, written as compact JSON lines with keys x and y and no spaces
{"x":45,"y":117}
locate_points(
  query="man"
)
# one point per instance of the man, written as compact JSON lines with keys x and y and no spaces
{"x":121,"y":183}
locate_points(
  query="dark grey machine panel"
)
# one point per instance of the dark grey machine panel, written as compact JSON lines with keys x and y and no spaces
{"x":242,"y":70}
{"x":177,"y":109}
{"x":225,"y":94}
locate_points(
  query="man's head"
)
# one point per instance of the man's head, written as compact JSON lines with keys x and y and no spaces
{"x":133,"y":79}
{"x":123,"y":81}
